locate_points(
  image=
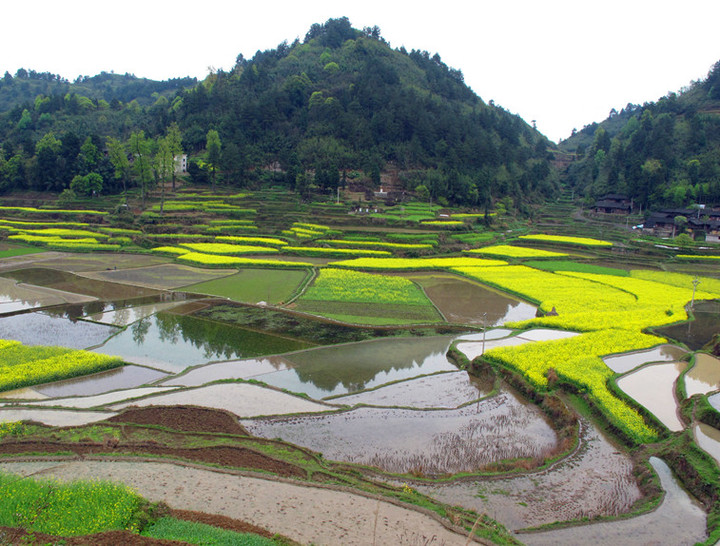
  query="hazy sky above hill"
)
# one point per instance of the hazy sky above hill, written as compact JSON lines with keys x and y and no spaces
{"x":563,"y":63}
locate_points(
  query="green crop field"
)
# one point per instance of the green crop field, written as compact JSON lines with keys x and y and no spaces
{"x":254,"y":285}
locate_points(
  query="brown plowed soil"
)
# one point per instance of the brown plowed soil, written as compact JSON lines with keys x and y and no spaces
{"x":226,"y":456}
{"x":183,"y":418}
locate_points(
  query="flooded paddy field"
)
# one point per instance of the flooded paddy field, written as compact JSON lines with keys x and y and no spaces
{"x":468,"y":302}
{"x":162,"y":277}
{"x":174,"y":342}
{"x":15,"y":296}
{"x":442,"y":390}
{"x":473,"y":349}
{"x":98,"y":400}
{"x":70,"y":282}
{"x":424,"y":442}
{"x":708,"y":438}
{"x":39,"y":328}
{"x":704,"y":376}
{"x":679,"y":520}
{"x":595,"y":480}
{"x":343,"y":369}
{"x":242,"y":399}
{"x":629,"y":361}
{"x":98,"y":261}
{"x":125,"y":377}
{"x":715,"y":401}
{"x":696,"y":333}
{"x":653,"y":386}
{"x":53,"y":417}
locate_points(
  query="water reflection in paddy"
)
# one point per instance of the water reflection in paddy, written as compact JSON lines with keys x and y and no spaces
{"x":125,"y":377}
{"x":252,"y":368}
{"x":654,"y":387}
{"x":443,"y":390}
{"x":127,"y":315}
{"x":343,"y":369}
{"x":173,"y":342}
{"x":467,"y":302}
{"x":708,"y":438}
{"x":44,"y":329}
{"x":626,"y":362}
{"x":704,"y":376}
{"x":430,"y":442}
{"x":715,"y":401}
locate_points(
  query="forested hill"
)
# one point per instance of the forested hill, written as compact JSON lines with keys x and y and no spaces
{"x":663,"y":153}
{"x":26,"y":85}
{"x":339,"y":106}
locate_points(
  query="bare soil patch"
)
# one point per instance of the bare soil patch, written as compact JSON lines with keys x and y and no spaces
{"x":183,"y":418}
{"x":226,"y":456}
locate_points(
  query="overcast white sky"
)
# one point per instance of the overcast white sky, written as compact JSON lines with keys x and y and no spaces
{"x":563,"y":63}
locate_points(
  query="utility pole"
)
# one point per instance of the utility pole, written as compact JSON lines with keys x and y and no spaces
{"x":695,"y":283}
{"x":484,"y":329}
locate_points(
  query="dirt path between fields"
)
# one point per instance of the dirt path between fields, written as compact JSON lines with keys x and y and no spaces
{"x":308,"y":514}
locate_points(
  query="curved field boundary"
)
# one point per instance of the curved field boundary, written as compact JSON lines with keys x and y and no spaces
{"x":309,"y":513}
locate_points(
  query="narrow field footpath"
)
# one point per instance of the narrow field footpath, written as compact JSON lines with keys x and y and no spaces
{"x":304,"y":513}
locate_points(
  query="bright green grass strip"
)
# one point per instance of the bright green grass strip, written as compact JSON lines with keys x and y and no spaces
{"x":230,"y":222}
{"x":19,"y":252}
{"x":473,"y":238}
{"x":23,"y":366}
{"x":200,"y":533}
{"x":253,"y":285}
{"x":65,"y":509}
{"x":508,"y":251}
{"x":564,"y":265}
{"x":582,"y":241}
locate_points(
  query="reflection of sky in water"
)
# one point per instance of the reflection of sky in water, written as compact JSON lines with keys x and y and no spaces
{"x":653,"y":386}
{"x":715,"y":401}
{"x":125,"y":377}
{"x":44,"y":329}
{"x":626,"y":362}
{"x":708,"y":438}
{"x":704,"y":377}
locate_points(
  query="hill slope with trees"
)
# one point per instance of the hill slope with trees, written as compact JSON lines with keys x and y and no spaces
{"x":663,"y":153}
{"x":340,"y":105}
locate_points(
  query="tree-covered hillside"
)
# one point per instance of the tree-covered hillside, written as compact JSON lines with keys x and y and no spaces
{"x":664,"y":153}
{"x":340,"y":105}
